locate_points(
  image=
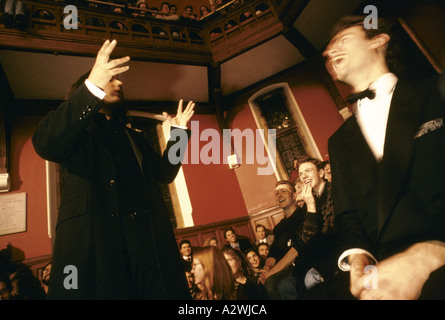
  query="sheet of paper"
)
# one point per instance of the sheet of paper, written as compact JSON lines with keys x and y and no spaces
{"x":12,"y":213}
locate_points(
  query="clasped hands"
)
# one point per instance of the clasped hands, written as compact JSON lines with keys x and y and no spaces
{"x":105,"y":69}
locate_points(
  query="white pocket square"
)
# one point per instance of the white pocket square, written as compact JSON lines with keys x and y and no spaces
{"x":429,"y":126}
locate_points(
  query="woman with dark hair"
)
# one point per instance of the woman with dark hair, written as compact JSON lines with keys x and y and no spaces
{"x":246,"y":282}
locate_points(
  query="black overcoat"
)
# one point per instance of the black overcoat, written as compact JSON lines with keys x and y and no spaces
{"x":88,"y":234}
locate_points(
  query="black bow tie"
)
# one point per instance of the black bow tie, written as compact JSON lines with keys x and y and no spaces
{"x":368,"y":93}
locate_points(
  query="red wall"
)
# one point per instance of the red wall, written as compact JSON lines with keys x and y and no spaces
{"x":27,"y":172}
{"x":213,"y":189}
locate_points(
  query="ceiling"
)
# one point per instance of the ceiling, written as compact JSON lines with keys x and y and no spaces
{"x":42,"y":76}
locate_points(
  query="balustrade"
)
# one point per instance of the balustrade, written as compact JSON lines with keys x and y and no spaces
{"x":137,"y":29}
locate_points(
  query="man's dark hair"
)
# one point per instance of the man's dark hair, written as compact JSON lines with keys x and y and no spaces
{"x":316,"y":162}
{"x":258,"y":226}
{"x":384,"y":25}
{"x":119,"y":113}
{"x":184,"y":241}
{"x":227,"y":230}
{"x":286,"y":182}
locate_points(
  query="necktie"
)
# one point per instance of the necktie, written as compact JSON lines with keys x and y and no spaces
{"x":368,"y":93}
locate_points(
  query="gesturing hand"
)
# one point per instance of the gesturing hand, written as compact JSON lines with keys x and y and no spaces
{"x":182,"y":117}
{"x":104,"y":69}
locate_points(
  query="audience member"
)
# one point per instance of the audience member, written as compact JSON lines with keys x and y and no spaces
{"x":259,"y":9}
{"x":254,"y":259}
{"x":185,"y":247}
{"x":301,"y":256}
{"x":262,"y":236}
{"x":191,"y":280}
{"x":212,"y":274}
{"x":173,"y":13}
{"x":327,"y":171}
{"x":5,"y":288}
{"x":211,"y":242}
{"x":236,"y":241}
{"x":246,"y":283}
{"x":14,"y":14}
{"x":164,"y":11}
{"x":281,"y":285}
{"x":188,"y":14}
{"x":24,"y":285}
{"x":294,"y":173}
{"x":141,"y":4}
{"x":263,"y":250}
{"x":299,"y":188}
{"x":45,"y":277}
{"x":204,"y":10}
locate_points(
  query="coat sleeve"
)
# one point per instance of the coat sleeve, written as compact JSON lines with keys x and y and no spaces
{"x":62,"y":129}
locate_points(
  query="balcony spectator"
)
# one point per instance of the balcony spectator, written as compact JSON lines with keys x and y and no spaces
{"x":164,"y":12}
{"x":188,"y":14}
{"x":141,"y":4}
{"x":259,"y":9}
{"x":204,"y":10}
{"x":14,"y":15}
{"x":173,"y":13}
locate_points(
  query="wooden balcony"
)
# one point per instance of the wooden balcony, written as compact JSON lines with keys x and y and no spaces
{"x":145,"y":38}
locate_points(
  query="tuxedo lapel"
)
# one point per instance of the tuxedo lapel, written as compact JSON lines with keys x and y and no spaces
{"x":364,"y":166}
{"x":404,"y":118}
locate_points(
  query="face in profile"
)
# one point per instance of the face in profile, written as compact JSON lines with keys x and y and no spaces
{"x":198,"y":271}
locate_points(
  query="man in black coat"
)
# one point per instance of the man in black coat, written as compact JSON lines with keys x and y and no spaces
{"x":388,"y":171}
{"x":114,"y":239}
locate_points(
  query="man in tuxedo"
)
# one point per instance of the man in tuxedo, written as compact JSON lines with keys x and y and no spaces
{"x":113,"y":229}
{"x":262,"y":236}
{"x":185,"y":247}
{"x":388,"y":171}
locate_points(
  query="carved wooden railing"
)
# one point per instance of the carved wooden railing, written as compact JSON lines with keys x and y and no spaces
{"x":241,"y":27}
{"x":147,"y":37}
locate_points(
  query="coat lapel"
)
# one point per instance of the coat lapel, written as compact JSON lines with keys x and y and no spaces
{"x":366,"y":164}
{"x":404,"y":118}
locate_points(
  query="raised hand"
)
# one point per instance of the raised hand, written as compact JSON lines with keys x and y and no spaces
{"x":182,"y":117}
{"x":104,"y":69}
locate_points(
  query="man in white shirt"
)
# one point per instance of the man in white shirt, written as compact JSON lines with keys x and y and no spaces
{"x":387,"y":171}
{"x":262,"y":236}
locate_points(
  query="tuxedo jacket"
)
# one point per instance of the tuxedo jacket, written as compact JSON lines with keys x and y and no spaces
{"x":88,"y":231}
{"x":385,"y":206}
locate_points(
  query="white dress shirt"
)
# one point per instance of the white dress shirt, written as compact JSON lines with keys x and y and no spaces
{"x":372,"y":115}
{"x":99,"y":93}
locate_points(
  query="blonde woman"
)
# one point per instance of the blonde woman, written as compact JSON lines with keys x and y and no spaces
{"x":212,"y":274}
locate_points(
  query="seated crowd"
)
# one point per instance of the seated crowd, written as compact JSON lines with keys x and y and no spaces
{"x":285,"y":264}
